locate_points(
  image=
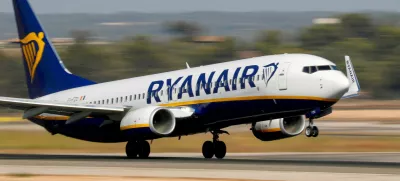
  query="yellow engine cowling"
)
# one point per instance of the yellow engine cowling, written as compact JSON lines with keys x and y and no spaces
{"x":276,"y":129}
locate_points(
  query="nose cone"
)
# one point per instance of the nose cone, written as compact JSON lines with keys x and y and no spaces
{"x":340,"y":85}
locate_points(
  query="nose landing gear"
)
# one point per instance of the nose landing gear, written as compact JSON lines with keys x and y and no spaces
{"x":311,"y":130}
{"x":216,"y":147}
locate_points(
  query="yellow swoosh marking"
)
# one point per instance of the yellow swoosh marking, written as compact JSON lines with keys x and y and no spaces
{"x":248,"y":99}
{"x":134,"y":126}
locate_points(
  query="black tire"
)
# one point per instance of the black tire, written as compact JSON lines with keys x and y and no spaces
{"x":131,"y":149}
{"x":144,"y":149}
{"x":220,"y":149}
{"x":308,"y":131}
{"x":315,"y":131}
{"x":208,"y":149}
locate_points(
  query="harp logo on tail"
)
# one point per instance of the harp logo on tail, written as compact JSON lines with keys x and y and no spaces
{"x":32,"y":48}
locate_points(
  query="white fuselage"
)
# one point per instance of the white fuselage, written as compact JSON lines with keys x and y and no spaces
{"x":289,"y":80}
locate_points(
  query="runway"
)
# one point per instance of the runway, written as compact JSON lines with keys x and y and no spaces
{"x":326,"y":127}
{"x":259,"y":166}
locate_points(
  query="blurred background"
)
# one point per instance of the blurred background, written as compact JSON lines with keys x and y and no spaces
{"x":109,"y":40}
{"x":106,"y":40}
{"x":105,"y":44}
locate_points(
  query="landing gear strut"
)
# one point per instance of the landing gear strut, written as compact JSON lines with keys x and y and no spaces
{"x":214,"y":148}
{"x":311,"y":130}
{"x":136,"y":149}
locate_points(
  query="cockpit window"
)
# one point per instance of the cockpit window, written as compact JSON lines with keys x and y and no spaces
{"x":306,"y":70}
{"x":312,"y":69}
{"x":324,"y":67}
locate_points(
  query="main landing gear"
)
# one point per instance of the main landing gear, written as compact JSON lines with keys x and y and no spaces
{"x":136,"y":149}
{"x":214,"y":148}
{"x":311,"y":130}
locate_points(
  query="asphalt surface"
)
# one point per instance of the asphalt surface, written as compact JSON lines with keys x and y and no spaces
{"x":326,"y":128}
{"x":259,"y":166}
{"x":287,"y":166}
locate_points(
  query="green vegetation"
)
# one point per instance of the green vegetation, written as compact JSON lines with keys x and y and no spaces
{"x":374,"y":47}
{"x":43,"y":142}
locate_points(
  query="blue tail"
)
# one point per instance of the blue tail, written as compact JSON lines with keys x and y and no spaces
{"x":45,"y":72}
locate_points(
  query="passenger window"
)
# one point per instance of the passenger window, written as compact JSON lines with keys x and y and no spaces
{"x":107,"y":101}
{"x":161,"y":92}
{"x":103,"y":102}
{"x":130,"y":98}
{"x":258,"y":77}
{"x":134,"y":97}
{"x":144,"y":95}
{"x":313,"y":69}
{"x":112,"y":100}
{"x":306,"y":70}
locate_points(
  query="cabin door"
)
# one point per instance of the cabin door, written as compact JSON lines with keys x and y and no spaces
{"x":282,"y":78}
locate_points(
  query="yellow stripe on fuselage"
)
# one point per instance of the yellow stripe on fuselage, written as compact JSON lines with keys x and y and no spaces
{"x":250,"y":98}
{"x":134,"y":126}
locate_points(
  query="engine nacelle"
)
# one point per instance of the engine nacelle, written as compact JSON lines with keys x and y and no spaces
{"x":278,"y":128}
{"x":159,"y":120}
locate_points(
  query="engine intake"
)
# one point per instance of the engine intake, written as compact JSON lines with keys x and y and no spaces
{"x":278,"y":128}
{"x":160,"y":120}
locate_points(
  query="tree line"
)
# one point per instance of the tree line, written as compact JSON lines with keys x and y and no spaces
{"x":373,"y":46}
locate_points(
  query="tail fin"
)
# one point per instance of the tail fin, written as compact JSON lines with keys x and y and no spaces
{"x":45,"y":72}
{"x":354,"y":88}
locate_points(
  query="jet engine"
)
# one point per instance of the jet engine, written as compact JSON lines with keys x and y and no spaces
{"x":157,"y":120}
{"x":276,"y":129}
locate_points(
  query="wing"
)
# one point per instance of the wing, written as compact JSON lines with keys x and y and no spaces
{"x":34,"y":107}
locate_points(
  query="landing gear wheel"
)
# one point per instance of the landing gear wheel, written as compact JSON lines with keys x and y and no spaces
{"x":143,"y":149}
{"x":315,"y":131}
{"x":220,"y":149}
{"x":309,"y":131}
{"x":208,"y":149}
{"x":131,"y":149}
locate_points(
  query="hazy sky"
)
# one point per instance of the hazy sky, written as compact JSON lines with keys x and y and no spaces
{"x":110,"y":6}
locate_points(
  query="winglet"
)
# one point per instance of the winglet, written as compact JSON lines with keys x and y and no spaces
{"x":187,"y":66}
{"x":354,"y":88}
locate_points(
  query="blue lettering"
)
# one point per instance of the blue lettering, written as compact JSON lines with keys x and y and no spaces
{"x":171,"y":87}
{"x":186,"y":87}
{"x":151,"y":92}
{"x":248,"y":76}
{"x":222,"y":81}
{"x":202,"y":83}
{"x":235,"y":76}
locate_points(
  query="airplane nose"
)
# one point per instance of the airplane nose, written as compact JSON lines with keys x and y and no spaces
{"x":340,"y":85}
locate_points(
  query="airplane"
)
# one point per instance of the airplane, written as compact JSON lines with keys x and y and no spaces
{"x":274,"y":94}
